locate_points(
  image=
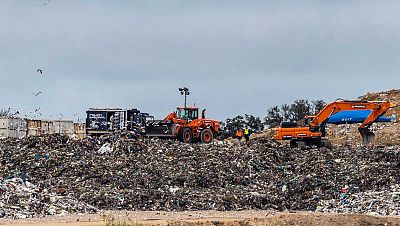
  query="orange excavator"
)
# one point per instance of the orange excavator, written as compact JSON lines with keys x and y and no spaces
{"x":312,"y":134}
{"x":185,"y":125}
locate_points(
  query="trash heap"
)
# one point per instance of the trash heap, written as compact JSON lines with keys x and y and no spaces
{"x":56,"y":175}
{"x":393,"y":96}
{"x":22,"y":199}
{"x":384,"y":202}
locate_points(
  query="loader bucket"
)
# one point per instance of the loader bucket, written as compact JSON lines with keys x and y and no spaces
{"x":159,"y":129}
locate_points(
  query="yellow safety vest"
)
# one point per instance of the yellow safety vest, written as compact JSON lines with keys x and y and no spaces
{"x":246,"y":131}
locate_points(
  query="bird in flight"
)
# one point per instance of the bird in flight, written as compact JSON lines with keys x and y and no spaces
{"x":36,"y":94}
{"x":46,"y":3}
{"x":40,"y":71}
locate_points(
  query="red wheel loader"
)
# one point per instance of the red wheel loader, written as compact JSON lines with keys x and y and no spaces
{"x":185,"y":125}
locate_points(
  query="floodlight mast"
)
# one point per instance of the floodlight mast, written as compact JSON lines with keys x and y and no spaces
{"x":184,"y":91}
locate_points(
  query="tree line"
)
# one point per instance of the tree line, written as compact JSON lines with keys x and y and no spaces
{"x":294,"y":112}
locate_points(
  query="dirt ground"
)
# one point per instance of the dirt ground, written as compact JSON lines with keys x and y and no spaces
{"x":209,"y":218}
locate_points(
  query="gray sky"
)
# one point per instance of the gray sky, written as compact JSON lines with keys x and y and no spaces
{"x":235,"y":56}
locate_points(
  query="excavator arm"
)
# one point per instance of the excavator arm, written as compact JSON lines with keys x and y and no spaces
{"x":378,"y":108}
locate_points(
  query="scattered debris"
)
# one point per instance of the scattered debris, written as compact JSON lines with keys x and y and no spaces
{"x":56,"y":175}
{"x":22,"y":199}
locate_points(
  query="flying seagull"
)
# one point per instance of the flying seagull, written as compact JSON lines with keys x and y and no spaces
{"x":36,"y":94}
{"x":40,"y":71}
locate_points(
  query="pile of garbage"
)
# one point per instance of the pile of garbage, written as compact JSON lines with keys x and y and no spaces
{"x":386,"y":134}
{"x":22,"y":199}
{"x":384,"y":202}
{"x":56,"y":175}
{"x":393,"y":96}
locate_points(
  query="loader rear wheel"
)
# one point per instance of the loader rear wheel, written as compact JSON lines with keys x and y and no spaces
{"x":185,"y":135}
{"x":206,"y":136}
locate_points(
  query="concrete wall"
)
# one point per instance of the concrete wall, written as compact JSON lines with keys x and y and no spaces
{"x":80,"y":130}
{"x":18,"y":128}
{"x":46,"y":127}
{"x":12,"y":127}
{"x":63,"y":127}
{"x":33,"y":127}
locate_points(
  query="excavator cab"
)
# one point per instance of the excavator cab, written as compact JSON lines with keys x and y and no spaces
{"x":308,"y":119}
{"x":188,"y":113}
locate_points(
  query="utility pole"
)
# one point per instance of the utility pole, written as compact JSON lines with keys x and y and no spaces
{"x":184,"y":91}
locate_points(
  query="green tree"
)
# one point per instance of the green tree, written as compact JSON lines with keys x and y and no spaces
{"x":274,"y":117}
{"x":285,"y":112}
{"x":233,"y":124}
{"x":318,"y":105}
{"x":299,"y":109}
{"x":254,"y":123}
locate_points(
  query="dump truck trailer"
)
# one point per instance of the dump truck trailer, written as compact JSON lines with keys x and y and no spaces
{"x":100,"y":121}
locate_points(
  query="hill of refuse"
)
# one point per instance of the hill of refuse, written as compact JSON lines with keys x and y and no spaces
{"x":393,"y":96}
{"x":56,"y":175}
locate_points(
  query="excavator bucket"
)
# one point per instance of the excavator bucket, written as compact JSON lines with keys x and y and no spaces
{"x":367,"y":135}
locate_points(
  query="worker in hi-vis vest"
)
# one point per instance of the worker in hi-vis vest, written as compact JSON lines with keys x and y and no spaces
{"x":247,"y":133}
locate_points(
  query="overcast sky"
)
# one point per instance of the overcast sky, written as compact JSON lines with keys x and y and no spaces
{"x":236,"y":57}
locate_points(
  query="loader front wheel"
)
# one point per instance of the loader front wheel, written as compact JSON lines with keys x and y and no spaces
{"x":185,"y":135}
{"x":206,"y":136}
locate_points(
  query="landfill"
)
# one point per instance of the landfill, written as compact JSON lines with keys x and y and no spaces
{"x":55,"y":175}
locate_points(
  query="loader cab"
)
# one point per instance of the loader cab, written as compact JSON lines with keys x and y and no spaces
{"x":188,"y":113}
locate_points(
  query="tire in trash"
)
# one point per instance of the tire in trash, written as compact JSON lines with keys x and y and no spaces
{"x":185,"y":135}
{"x":206,"y":136}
